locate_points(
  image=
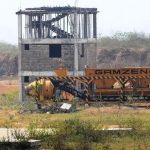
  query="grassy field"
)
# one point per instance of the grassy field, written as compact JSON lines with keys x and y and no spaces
{"x":79,"y":130}
{"x":82,"y":129}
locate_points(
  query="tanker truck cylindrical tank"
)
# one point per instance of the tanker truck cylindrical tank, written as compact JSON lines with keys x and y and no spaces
{"x":42,"y":89}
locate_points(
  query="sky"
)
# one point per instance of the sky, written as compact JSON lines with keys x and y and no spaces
{"x":114,"y":15}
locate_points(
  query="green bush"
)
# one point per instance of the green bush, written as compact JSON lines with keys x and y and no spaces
{"x":71,"y":134}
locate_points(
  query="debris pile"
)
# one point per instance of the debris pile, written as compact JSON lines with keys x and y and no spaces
{"x":59,"y":108}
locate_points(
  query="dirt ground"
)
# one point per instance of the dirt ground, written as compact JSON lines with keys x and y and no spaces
{"x":8,"y":86}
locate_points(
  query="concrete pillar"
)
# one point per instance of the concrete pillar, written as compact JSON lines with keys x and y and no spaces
{"x":64,"y":24}
{"x":49,"y":33}
{"x":30,"y":26}
{"x":76,"y":66}
{"x":89,"y":26}
{"x":19,"y":28}
{"x":85,"y":25}
{"x":39,"y":28}
{"x":94,"y":25}
{"x":19,"y":57}
{"x":26,"y":26}
{"x":82,"y":22}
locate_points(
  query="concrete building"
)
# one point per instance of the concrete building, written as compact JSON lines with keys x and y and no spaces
{"x":50,"y":35}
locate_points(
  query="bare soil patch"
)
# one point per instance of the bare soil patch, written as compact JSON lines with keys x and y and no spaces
{"x":8,"y":86}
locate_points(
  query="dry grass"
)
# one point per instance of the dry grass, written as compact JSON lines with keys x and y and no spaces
{"x":105,"y":117}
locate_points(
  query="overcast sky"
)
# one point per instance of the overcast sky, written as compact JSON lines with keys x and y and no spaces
{"x":114,"y":15}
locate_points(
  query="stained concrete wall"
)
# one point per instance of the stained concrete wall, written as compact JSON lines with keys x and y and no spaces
{"x":37,"y":57}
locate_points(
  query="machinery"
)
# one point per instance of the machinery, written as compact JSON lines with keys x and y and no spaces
{"x":60,"y":87}
{"x":120,"y":83}
{"x":117,"y":84}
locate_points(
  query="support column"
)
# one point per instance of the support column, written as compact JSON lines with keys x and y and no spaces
{"x":26,"y":26}
{"x":39,"y":27}
{"x":76,"y":66}
{"x":64,"y":24}
{"x":19,"y":58}
{"x":85,"y":25}
{"x":94,"y":25}
{"x":89,"y":26}
{"x":30,"y":26}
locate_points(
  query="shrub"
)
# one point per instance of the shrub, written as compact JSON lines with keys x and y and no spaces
{"x":71,"y":134}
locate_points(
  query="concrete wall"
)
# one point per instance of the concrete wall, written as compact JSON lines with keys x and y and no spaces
{"x":37,"y":57}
